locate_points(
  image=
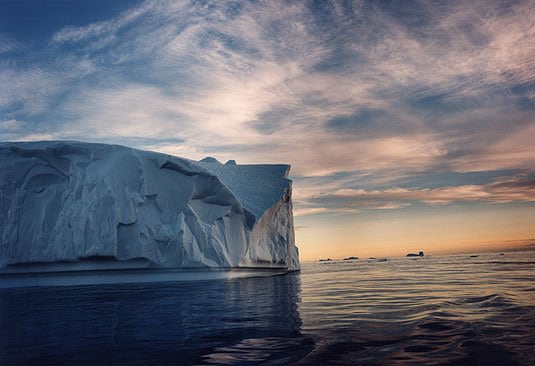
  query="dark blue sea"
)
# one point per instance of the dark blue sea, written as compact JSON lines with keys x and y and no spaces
{"x":443,"y":310}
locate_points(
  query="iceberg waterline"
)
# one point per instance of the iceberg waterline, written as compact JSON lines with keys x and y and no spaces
{"x":64,"y":202}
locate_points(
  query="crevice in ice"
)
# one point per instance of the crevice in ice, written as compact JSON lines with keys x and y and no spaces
{"x":179,"y":167}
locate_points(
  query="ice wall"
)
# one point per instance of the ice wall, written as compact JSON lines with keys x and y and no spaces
{"x":71,"y":201}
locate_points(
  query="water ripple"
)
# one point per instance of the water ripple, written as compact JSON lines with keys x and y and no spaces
{"x":442,"y":310}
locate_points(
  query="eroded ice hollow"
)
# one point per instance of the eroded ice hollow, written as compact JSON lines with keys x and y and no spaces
{"x":81,"y":207}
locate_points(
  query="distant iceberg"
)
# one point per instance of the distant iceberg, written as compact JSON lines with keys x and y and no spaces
{"x":109,"y":206}
{"x":420,"y":254}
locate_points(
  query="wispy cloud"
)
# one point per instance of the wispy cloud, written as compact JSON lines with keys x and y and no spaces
{"x":8,"y":44}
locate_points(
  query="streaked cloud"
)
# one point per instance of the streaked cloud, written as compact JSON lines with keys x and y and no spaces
{"x":356,"y":200}
{"x":99,"y":30}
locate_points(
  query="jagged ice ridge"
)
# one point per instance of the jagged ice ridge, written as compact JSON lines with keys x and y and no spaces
{"x":72,"y":201}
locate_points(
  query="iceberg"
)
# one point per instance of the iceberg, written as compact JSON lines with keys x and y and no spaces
{"x":87,"y":206}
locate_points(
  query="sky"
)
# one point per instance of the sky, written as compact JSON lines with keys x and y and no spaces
{"x":409,"y":125}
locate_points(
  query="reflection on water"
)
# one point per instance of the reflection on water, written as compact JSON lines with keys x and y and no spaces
{"x":457,"y":310}
{"x":235,"y":321}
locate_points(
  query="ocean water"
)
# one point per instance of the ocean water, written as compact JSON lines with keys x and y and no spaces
{"x":443,"y":310}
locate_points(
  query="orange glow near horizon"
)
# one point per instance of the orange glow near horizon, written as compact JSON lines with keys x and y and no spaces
{"x":432,"y":230}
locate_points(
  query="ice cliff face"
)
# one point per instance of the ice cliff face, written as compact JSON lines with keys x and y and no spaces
{"x":66,"y":201}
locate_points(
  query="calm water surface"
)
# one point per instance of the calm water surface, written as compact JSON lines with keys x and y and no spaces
{"x":450,"y":310}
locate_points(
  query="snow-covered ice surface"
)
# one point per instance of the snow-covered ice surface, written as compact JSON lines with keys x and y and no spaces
{"x":108,"y":206}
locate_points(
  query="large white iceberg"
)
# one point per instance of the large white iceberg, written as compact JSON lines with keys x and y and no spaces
{"x":65,"y":202}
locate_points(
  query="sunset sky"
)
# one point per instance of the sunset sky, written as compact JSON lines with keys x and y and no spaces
{"x":409,"y":125}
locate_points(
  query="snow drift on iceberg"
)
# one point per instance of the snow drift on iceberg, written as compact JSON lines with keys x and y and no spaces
{"x":73,"y":202}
